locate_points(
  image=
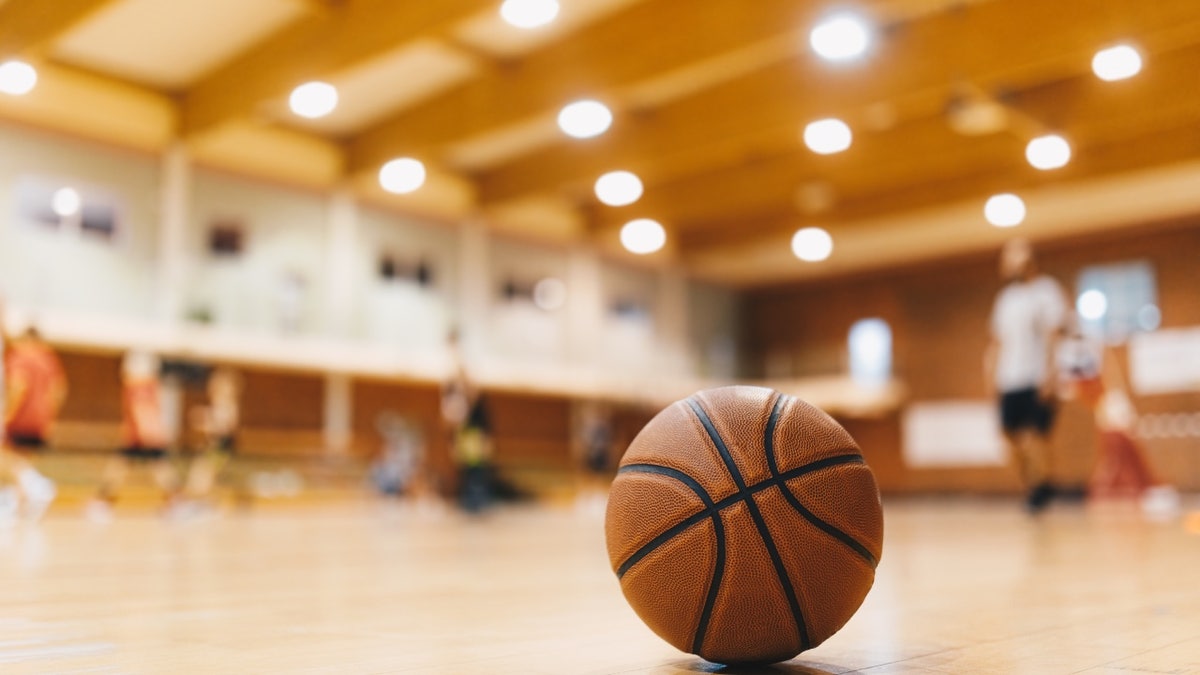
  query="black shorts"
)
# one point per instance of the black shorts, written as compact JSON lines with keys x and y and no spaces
{"x":226,"y":444}
{"x":27,"y":442}
{"x":1025,"y":409}
{"x":141,"y":454}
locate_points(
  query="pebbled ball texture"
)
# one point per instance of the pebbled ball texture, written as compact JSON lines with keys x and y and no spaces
{"x":744,"y":525}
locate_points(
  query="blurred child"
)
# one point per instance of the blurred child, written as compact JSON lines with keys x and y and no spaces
{"x":1096,"y":379}
{"x":595,"y":440}
{"x":144,"y":433}
{"x":34,"y":390}
{"x":218,"y":424}
{"x":397,"y":471}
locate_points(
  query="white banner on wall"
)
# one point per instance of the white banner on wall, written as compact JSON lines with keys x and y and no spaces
{"x":1165,"y":361}
{"x":944,"y":434}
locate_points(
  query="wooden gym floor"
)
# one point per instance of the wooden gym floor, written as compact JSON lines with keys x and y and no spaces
{"x":964,"y":587}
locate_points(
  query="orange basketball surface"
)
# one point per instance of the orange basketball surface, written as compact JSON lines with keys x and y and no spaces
{"x":744,"y":525}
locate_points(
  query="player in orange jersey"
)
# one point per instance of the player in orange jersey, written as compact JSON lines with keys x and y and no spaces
{"x":35,"y":388}
{"x":144,"y":434}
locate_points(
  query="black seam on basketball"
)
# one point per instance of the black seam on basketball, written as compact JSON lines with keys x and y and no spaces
{"x":670,"y":533}
{"x":678,"y":475}
{"x":719,"y":506}
{"x":769,"y":435}
{"x":711,"y":511}
{"x":760,"y":524}
{"x":714,"y":585}
{"x":827,"y":528}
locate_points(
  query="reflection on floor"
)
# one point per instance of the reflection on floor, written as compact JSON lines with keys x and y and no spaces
{"x":964,"y":587}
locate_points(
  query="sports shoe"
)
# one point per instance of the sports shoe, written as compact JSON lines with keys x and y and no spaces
{"x":10,"y":500}
{"x":1039,"y":498}
{"x":38,"y":496}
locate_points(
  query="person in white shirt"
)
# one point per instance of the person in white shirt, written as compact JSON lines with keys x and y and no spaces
{"x":1028,"y":318}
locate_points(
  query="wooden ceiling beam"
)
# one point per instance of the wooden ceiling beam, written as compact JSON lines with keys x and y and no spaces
{"x":31,"y":25}
{"x":321,"y":43}
{"x":648,"y":39}
{"x":1013,"y":44}
{"x":923,"y":160}
{"x":1156,"y":147}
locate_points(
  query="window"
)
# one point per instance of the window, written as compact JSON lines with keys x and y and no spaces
{"x":394,"y":269}
{"x":870,"y":351}
{"x":67,"y":206}
{"x":225,"y":239}
{"x":1114,"y":301}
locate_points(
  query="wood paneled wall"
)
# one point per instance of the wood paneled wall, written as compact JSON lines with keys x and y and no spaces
{"x":939,"y":314}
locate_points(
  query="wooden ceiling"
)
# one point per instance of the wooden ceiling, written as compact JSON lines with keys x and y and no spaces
{"x":709,"y":97}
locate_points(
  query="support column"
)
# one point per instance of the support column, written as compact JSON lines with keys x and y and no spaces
{"x":474,"y":286}
{"x":338,"y":420}
{"x":585,"y":306}
{"x":672,"y":305}
{"x":342,"y":233}
{"x":174,"y":203}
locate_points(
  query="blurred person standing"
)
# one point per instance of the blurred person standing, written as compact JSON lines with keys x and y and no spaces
{"x":1028,"y":318}
{"x":35,"y":387}
{"x":144,"y":433}
{"x":465,"y":413}
{"x":218,"y":424}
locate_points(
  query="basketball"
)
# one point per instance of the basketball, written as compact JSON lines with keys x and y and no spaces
{"x":744,"y":525}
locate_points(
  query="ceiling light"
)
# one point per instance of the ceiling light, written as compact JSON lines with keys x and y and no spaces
{"x":1116,"y":63}
{"x":66,"y":202}
{"x":585,"y":119}
{"x":401,"y":176}
{"x":1048,"y":152}
{"x":840,"y":38}
{"x":827,"y":136}
{"x":1092,"y":305}
{"x":550,"y":294}
{"x":812,"y":244}
{"x":643,"y":236}
{"x":17,"y":78}
{"x":1004,"y":210}
{"x":529,"y":13}
{"x":313,"y":99}
{"x":618,"y":188}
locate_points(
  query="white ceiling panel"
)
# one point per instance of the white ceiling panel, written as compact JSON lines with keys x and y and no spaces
{"x":169,"y":44}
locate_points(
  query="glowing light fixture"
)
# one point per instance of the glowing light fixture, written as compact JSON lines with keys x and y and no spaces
{"x":550,"y":294}
{"x":529,"y":13}
{"x":1048,"y":152}
{"x":402,"y":176}
{"x":17,"y":78}
{"x":1092,"y":304}
{"x":619,"y":188}
{"x":842,"y":37}
{"x":1004,"y":210}
{"x":643,"y":236}
{"x":812,"y":244}
{"x":827,"y":136}
{"x":313,"y":99}
{"x":1119,"y":62}
{"x":585,"y":119}
{"x":66,"y":202}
